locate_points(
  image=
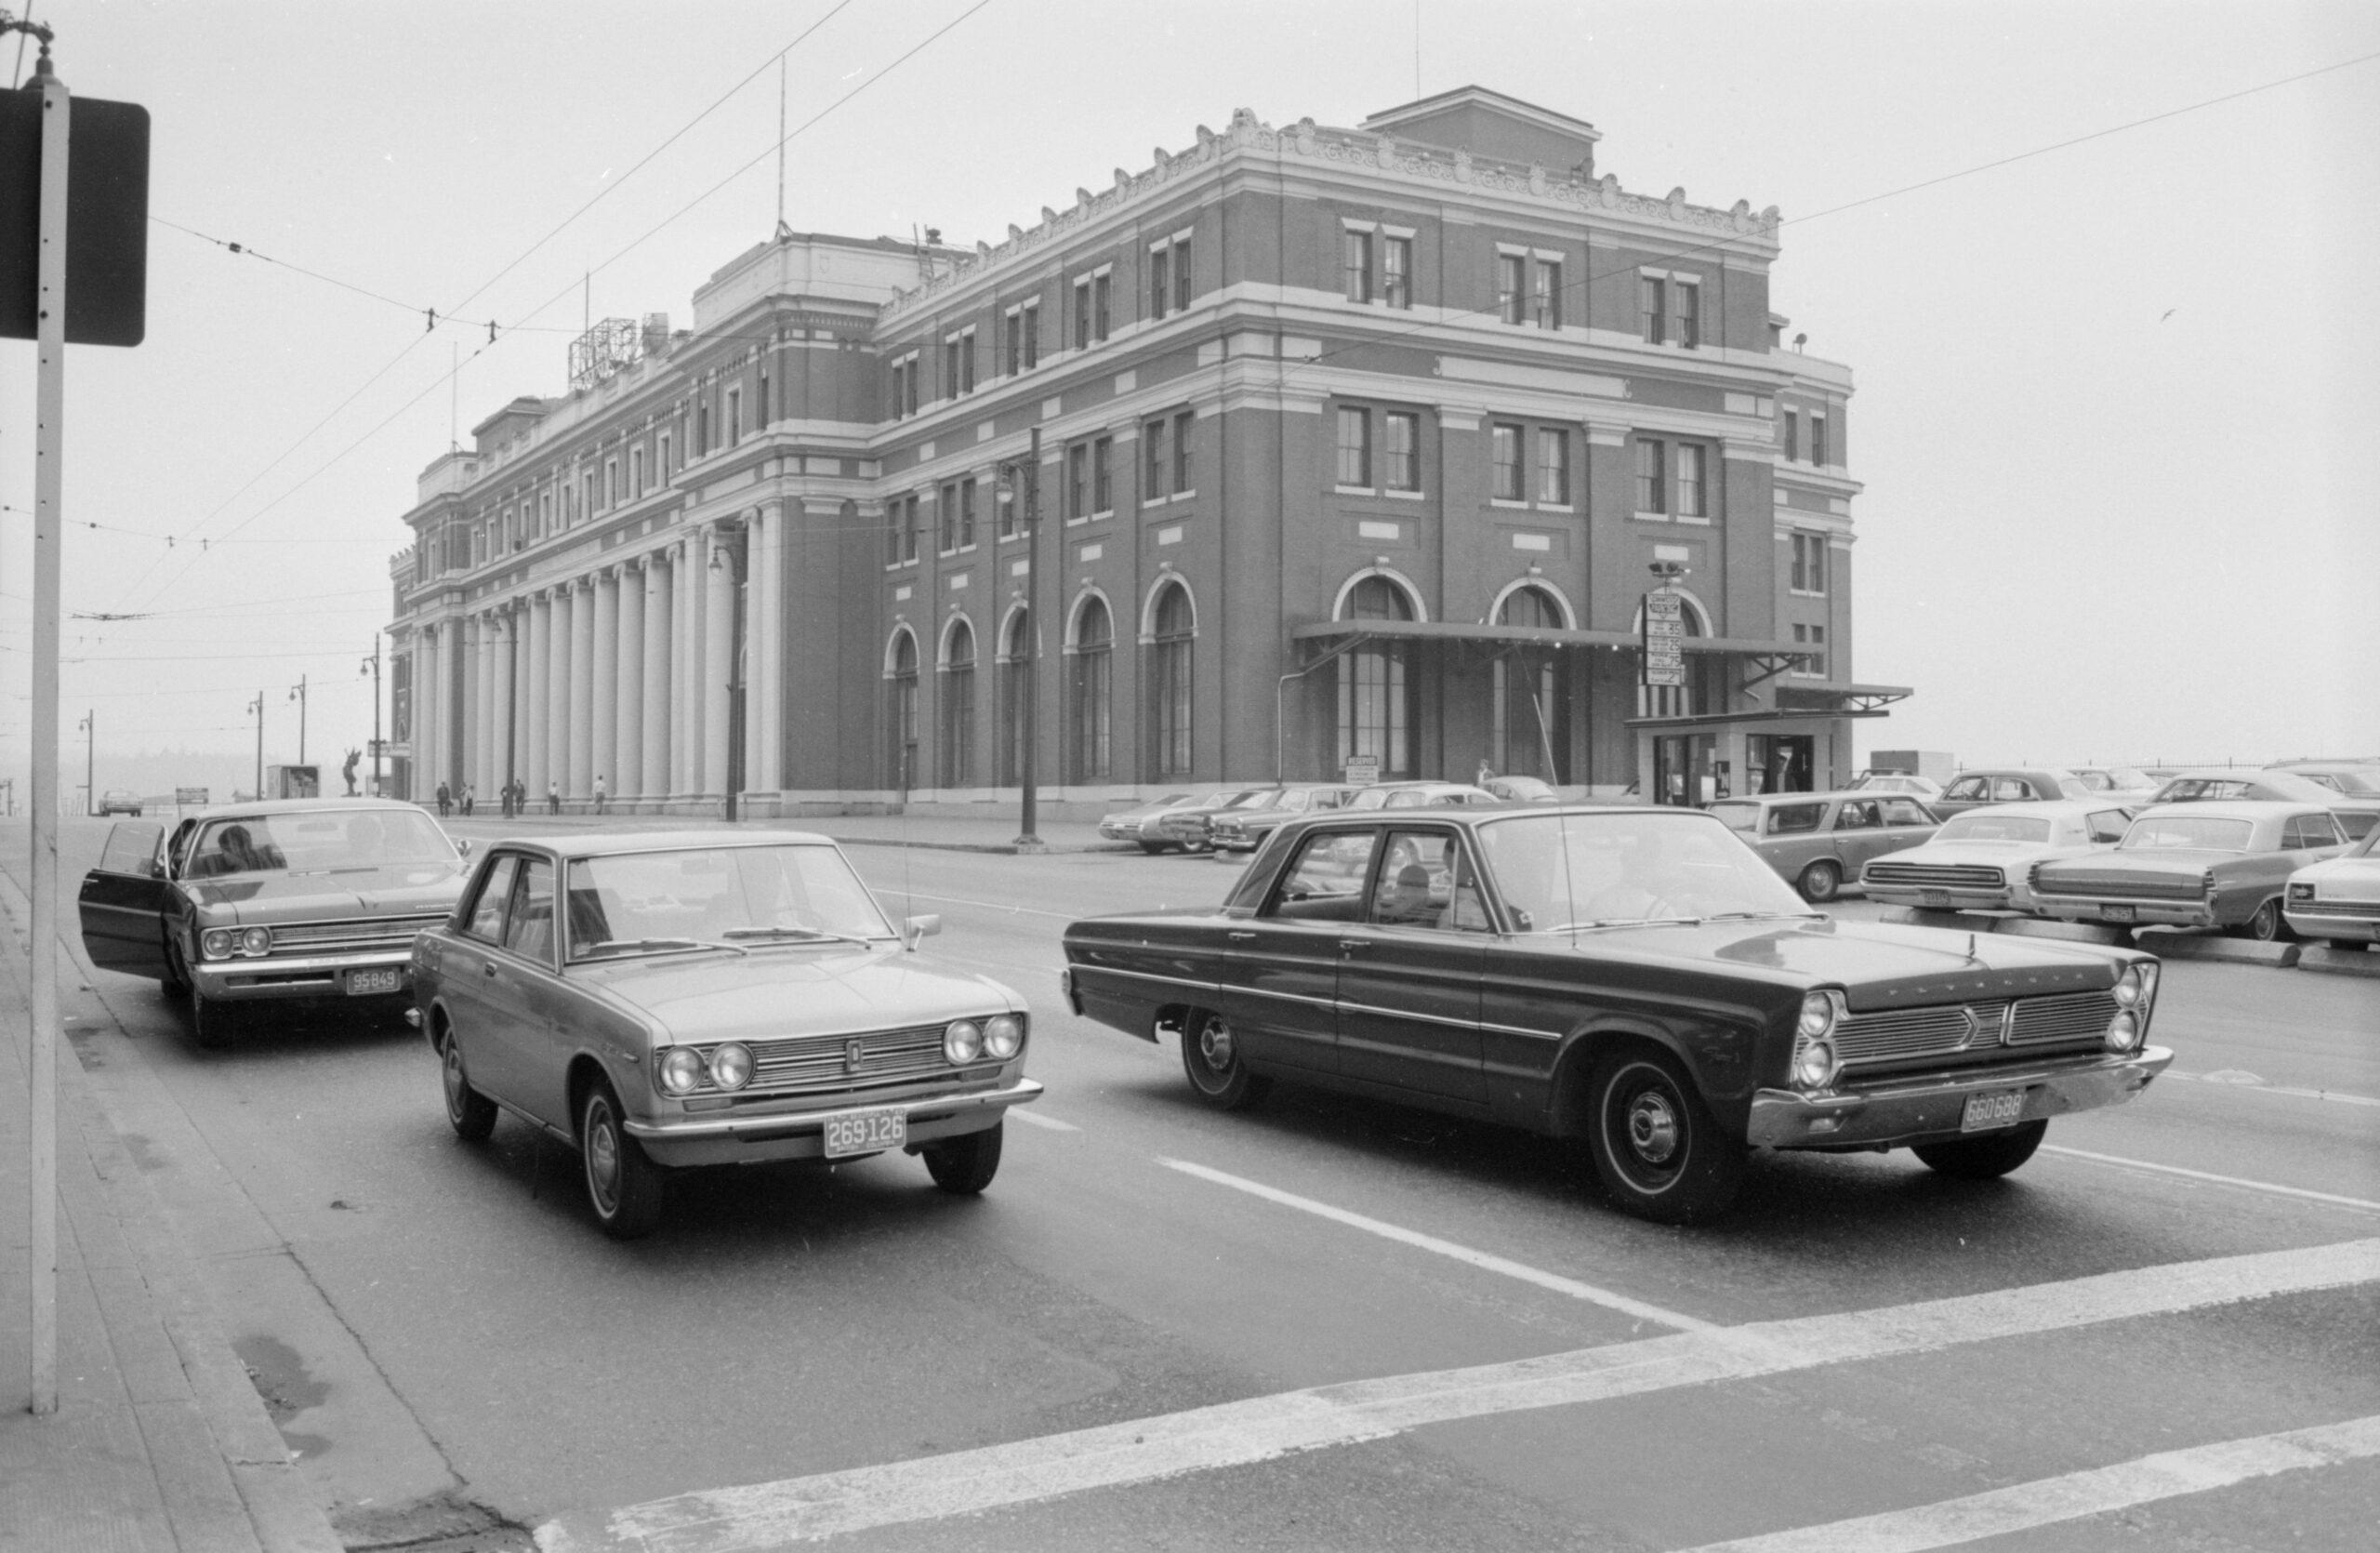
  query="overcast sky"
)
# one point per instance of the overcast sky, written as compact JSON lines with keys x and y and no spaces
{"x":2110,"y":399}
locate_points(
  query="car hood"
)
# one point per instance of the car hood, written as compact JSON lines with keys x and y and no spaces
{"x":2342,"y":878}
{"x":778,"y":991}
{"x":1878,"y":964}
{"x":265,"y":899}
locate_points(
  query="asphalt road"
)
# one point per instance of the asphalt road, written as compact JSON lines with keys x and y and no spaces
{"x":1320,"y":1324}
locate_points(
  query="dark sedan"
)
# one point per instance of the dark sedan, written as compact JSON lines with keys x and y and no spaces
{"x":1637,"y":978}
{"x":2208,"y":864}
{"x":2356,"y":812}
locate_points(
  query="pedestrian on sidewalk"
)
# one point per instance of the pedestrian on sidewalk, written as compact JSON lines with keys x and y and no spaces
{"x":553,"y":798}
{"x":444,"y":799}
{"x":470,"y":796}
{"x":599,"y":792}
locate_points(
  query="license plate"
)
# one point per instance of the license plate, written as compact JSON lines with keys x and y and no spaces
{"x":1938,"y":900}
{"x":2118,"y":913}
{"x":866,"y":1133}
{"x":362,"y":984}
{"x":1997,"y":1107}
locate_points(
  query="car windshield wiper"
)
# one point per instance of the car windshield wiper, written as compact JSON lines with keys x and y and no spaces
{"x":1622,"y":921}
{"x":806,"y":935}
{"x":1757,"y":916}
{"x":621,"y":945}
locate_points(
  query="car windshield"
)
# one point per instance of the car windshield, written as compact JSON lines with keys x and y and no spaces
{"x":744,"y":896}
{"x":318,"y":841}
{"x":2361,"y":783}
{"x":1738,"y":816}
{"x":1565,"y":871}
{"x":2191,"y":790}
{"x":1263,"y":798}
{"x":1982,"y":825}
{"x":2165,"y":832}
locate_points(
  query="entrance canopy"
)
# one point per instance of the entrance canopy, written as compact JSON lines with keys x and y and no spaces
{"x":1345,"y":633}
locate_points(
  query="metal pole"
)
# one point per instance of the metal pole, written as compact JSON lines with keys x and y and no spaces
{"x":260,"y":710}
{"x":376,"y":714}
{"x":50,"y":452}
{"x":1029,"y":837}
{"x":301,"y":720}
{"x":91,"y":764}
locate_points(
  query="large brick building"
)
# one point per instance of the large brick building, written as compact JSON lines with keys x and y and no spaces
{"x":1356,"y":446}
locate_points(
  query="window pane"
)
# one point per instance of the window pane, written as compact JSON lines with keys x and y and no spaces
{"x":1355,"y":447}
{"x":1548,"y":301}
{"x":1032,"y":333}
{"x":1649,"y":485}
{"x":1508,"y":286}
{"x":1553,"y":466}
{"x":1688,"y":299}
{"x":966,"y":515}
{"x":1103,"y":474}
{"x":1396,"y":273}
{"x":1158,"y":290}
{"x":1182,"y":481}
{"x":1689,"y":480}
{"x":1651,"y":305}
{"x":1355,"y":265}
{"x":1506,"y":456}
{"x":1152,"y":460}
{"x":1099,"y":306}
{"x":1404,"y":451}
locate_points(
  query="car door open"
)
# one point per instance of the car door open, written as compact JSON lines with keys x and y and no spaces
{"x":123,"y":901}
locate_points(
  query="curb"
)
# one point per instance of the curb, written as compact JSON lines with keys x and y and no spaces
{"x":2339,"y":962}
{"x":2079,"y":932}
{"x":2237,"y":951}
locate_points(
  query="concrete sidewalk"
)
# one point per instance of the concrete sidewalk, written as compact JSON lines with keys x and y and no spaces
{"x":995,"y":831}
{"x":160,"y":1444}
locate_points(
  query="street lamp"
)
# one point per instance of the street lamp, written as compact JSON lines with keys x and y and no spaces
{"x":257,"y":706}
{"x":372,"y":667}
{"x":297,"y":694}
{"x":91,"y":738}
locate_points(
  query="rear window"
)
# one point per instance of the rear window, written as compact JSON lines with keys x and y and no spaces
{"x":1792,"y":819}
{"x":2167,"y":833}
{"x":1985,"y":824}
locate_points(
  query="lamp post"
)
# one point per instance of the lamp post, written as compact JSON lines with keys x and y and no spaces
{"x":90,"y":737}
{"x":257,"y":706}
{"x":372,"y":667}
{"x":297,"y":694}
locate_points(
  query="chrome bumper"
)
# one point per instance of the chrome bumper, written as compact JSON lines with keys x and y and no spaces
{"x":2145,"y":913}
{"x":301,"y":975}
{"x":2316,"y":923}
{"x":1913,"y":896}
{"x":801,"y":1134}
{"x":1930,"y":1106}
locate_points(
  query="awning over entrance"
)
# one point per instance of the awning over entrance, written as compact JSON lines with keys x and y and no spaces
{"x":1345,"y":633}
{"x":1804,"y":704}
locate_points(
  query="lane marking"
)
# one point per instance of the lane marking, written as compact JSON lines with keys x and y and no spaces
{"x":1050,"y":1122}
{"x":2232,"y":1078}
{"x":762,"y":1516}
{"x":2047,"y":1501}
{"x":2273,"y":1188}
{"x":1484,"y":1260}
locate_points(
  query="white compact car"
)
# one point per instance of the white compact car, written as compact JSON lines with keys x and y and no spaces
{"x":2338,"y":900}
{"x":1983,"y":861}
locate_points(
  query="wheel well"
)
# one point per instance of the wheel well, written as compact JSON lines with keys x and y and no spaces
{"x":585,"y":1072}
{"x":1569,"y":1111}
{"x":1174,"y":1020}
{"x":438,"y":1028}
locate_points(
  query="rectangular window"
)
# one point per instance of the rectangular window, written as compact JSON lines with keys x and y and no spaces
{"x":636,"y":469}
{"x":911,"y":530}
{"x":1356,"y":449}
{"x":1553,"y":466}
{"x":1546,"y":304}
{"x":702,"y":429}
{"x":1809,"y":563}
{"x":1403,"y":447}
{"x":1013,"y":342}
{"x":1160,"y":290}
{"x":1504,"y":447}
{"x":734,"y":417}
{"x":1078,"y":480}
{"x":545,"y":513}
{"x":1792,"y":436}
{"x":1510,"y":299}
{"x":950,"y":367}
{"x":1181,"y":274}
{"x":911,"y":382}
{"x":1811,"y":664}
{"x":1396,"y":271}
{"x":1686,"y":314}
{"x":1652,"y":303}
{"x":947,"y":518}
{"x":661,"y":469}
{"x":967,"y":514}
{"x":967,"y":361}
{"x":1082,"y":313}
{"x":1355,"y":265}
{"x":1099,"y":305}
{"x":611,"y":482}
{"x":1651,"y":487}
{"x":1005,"y":496}
{"x":1182,"y":481}
{"x":1153,"y":461}
{"x":893,"y":531}
{"x":1102,"y":475}
{"x":1689,"y":482}
{"x":1818,"y":440}
{"x":1032,"y":314}
{"x":762,"y":420}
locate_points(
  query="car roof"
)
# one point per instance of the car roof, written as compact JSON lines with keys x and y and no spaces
{"x":262,"y":808}
{"x":2059,"y":772}
{"x":1864,"y":795}
{"x":614,"y":843}
{"x":2237,"y":808}
{"x":2053,"y":808}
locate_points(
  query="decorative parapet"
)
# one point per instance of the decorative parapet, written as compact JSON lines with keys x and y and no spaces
{"x":1354,"y":147}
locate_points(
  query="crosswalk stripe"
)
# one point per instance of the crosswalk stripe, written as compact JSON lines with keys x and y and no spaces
{"x":2045,"y":1502}
{"x":761,"y":1516}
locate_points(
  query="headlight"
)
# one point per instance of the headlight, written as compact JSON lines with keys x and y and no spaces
{"x":680,"y":1071}
{"x":1004,"y":1033}
{"x":963,"y":1041}
{"x":1816,"y":1062}
{"x":1817,"y":1016}
{"x":2128,"y":988}
{"x":2124,"y":1031}
{"x":256,"y":940}
{"x":215,"y":942}
{"x":2301,"y":892}
{"x":731,"y":1065}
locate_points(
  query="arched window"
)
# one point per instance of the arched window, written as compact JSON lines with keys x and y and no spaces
{"x":1530,"y":736}
{"x":1015,"y":666}
{"x":1090,"y":673}
{"x":1169,"y":683}
{"x":959,"y":708}
{"x":1376,"y":689}
{"x":903,"y":712}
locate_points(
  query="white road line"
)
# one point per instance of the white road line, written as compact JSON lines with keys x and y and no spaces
{"x":2271,"y":1187}
{"x":2166,"y":1475}
{"x":1481,"y":1259}
{"x":1037,"y":1120}
{"x":985,"y":905}
{"x":2260,"y":1087}
{"x":1259,"y":1428}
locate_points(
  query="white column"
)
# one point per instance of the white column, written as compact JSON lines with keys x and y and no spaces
{"x":692,"y":595}
{"x":659,"y":579}
{"x":718,"y":653}
{"x":765,"y":702}
{"x":483,"y":734}
{"x":581,"y":689}
{"x":558,"y":693}
{"x":425,"y":715}
{"x":628,"y":743}
{"x":539,"y":616}
{"x":441,"y":644}
{"x":503,"y":748}
{"x":604,"y":672}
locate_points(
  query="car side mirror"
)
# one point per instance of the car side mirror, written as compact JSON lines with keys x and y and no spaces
{"x":463,"y":847}
{"x":917,"y":928}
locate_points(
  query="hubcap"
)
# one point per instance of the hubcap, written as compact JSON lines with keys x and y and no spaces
{"x":1214,"y":1044}
{"x":602,"y":1156}
{"x":1652,"y":1128}
{"x":454,"y":1079}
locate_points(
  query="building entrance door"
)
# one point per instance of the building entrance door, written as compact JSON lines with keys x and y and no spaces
{"x":1683,"y":770}
{"x":1781,"y":762}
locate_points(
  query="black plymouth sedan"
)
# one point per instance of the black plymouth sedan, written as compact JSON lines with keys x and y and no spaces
{"x":1637,"y":978}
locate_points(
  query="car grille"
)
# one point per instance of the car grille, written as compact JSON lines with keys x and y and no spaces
{"x":1946,"y":876}
{"x":2339,"y":908}
{"x":2118,"y":885}
{"x":1981,"y":1029}
{"x":340,"y":937}
{"x":824,"y":1062}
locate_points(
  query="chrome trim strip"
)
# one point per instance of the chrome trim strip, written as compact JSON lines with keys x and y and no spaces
{"x":1927,"y":1106}
{"x":1408,"y":1013}
{"x":1079,"y":969}
{"x":215,"y":975}
{"x":781,"y":1123}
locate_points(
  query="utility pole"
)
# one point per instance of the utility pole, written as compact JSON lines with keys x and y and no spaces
{"x":372,"y":667}
{"x":256,"y":706}
{"x":91,"y":738}
{"x":1029,"y":839}
{"x":297,"y":694}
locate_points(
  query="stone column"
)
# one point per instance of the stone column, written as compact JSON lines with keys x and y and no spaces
{"x":539,"y":616}
{"x":558,"y":692}
{"x":628,"y":674}
{"x":483,"y":708}
{"x":581,"y":689}
{"x":425,"y":716}
{"x":718,"y":654}
{"x":693,"y":557}
{"x":603,"y":675}
{"x":503,"y":749}
{"x":764,"y":700}
{"x":659,"y":579}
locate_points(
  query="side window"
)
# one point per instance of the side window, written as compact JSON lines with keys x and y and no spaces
{"x":2108,"y":824}
{"x":1793,"y":819}
{"x":1325,"y":880}
{"x":2011,"y":790}
{"x":131,"y":847}
{"x":1900,"y":811}
{"x":177,"y":850}
{"x":487,"y":920}
{"x":529,"y":931}
{"x":1856,"y":816}
{"x":1967,"y":789}
{"x":1417,"y":882}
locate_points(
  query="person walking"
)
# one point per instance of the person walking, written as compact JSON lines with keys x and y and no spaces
{"x":470,"y":796}
{"x":553,"y":798}
{"x":599,"y":792}
{"x":445,"y":797}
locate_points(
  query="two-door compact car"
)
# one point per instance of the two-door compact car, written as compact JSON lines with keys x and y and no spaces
{"x":1637,"y":978}
{"x":1126,"y":824}
{"x":1819,"y":840}
{"x":702,"y":998}
{"x":287,"y":899}
{"x":119,"y":801}
{"x":2338,"y":900}
{"x":1186,"y":826}
{"x":1243,"y":826}
{"x":2207,"y":864}
{"x":1972,"y":789}
{"x":2127,"y":782}
{"x":1983,"y":861}
{"x":2357,"y":813}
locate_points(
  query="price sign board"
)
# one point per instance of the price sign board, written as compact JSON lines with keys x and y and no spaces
{"x":1664,"y":649}
{"x":1362,"y":771}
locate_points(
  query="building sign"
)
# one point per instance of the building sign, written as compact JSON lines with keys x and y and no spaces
{"x":1363,"y":771}
{"x":1664,"y":652}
